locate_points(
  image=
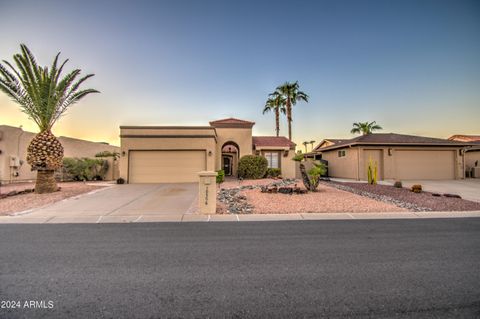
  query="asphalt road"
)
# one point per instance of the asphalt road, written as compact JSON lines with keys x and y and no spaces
{"x":361,"y":268}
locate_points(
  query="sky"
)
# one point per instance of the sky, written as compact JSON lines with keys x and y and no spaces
{"x":411,"y":66}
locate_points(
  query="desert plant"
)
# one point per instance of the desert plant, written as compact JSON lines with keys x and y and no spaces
{"x":315,"y":173}
{"x":397,"y":184}
{"x":120,"y":181}
{"x":44,"y":97}
{"x":365,"y":128}
{"x":417,"y":188}
{"x":273,"y":172}
{"x":291,"y":93}
{"x":252,"y":166}
{"x":85,"y":169}
{"x":275,"y":103}
{"x":114,"y":155}
{"x":372,"y":172}
{"x":220,"y":176}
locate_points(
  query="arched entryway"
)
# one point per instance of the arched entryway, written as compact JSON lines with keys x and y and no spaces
{"x":230,"y":157}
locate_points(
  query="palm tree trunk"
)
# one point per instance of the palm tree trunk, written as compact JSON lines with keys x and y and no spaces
{"x":289,"y":118}
{"x":46,"y":182}
{"x":277,"y":121}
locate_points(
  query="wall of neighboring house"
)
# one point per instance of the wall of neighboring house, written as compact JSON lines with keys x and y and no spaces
{"x":14,"y":142}
{"x":345,"y":166}
{"x":470,"y":159}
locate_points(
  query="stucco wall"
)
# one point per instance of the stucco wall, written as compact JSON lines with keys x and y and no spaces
{"x":166,"y":139}
{"x":14,"y":142}
{"x":241,"y":136}
{"x":342,"y":167}
{"x":471,"y":157}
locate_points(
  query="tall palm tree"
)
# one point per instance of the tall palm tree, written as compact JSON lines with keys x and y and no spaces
{"x":311,"y":143}
{"x":305,"y":144}
{"x":44,"y":97}
{"x":365,"y":128}
{"x":290,"y":91}
{"x":276,"y":104}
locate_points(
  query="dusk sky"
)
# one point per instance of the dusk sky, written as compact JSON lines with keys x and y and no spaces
{"x":413,"y":66}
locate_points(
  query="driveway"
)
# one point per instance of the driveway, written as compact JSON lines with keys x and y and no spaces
{"x":130,"y":202}
{"x":467,"y":188}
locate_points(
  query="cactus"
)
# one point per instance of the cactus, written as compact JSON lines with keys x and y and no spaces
{"x":372,"y":172}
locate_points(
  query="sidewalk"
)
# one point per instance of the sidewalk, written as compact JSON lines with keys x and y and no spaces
{"x":95,"y":219}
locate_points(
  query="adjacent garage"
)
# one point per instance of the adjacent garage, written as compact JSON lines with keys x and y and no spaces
{"x":179,"y":166}
{"x":424,"y":164}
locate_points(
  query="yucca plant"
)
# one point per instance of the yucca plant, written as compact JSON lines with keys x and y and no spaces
{"x":44,"y":96}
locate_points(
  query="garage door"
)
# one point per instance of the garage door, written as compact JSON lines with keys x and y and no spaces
{"x":425,"y":164}
{"x":165,"y":166}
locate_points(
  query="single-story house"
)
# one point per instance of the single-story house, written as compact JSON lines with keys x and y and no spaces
{"x":397,"y":156}
{"x":472,"y":153}
{"x":175,"y":154}
{"x":13,"y":154}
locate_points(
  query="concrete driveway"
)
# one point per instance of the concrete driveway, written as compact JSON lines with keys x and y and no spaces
{"x":467,"y":188}
{"x":130,"y":202}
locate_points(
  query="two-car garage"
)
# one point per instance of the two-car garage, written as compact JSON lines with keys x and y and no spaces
{"x":166,"y":166}
{"x":424,"y":164}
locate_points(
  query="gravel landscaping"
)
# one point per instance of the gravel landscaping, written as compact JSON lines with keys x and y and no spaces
{"x":402,"y":197}
{"x":18,"y":203}
{"x":245,"y":197}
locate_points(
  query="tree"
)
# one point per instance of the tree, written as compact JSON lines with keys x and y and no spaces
{"x":365,"y":128}
{"x":311,"y":143}
{"x":305,"y":144}
{"x":276,"y":104}
{"x":291,"y":93}
{"x":44,"y":97}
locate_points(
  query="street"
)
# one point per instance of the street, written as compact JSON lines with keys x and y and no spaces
{"x":423,"y":268}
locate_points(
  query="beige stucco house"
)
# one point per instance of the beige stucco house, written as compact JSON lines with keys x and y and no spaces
{"x":175,"y":154}
{"x":13,"y":153}
{"x":398,"y":157}
{"x":472,"y":153}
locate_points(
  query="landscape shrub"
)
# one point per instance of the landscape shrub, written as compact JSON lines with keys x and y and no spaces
{"x":417,"y":188}
{"x":398,"y":184}
{"x":120,"y":181}
{"x":273,"y":172}
{"x":252,"y":167}
{"x":84,"y":169}
{"x":220,"y":176}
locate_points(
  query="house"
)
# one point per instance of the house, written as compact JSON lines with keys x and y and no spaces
{"x":175,"y":154}
{"x":13,"y":154}
{"x":397,"y":156}
{"x":472,"y":153}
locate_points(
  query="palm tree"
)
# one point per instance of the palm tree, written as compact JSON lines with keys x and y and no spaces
{"x":365,"y":128}
{"x":276,"y":104}
{"x":305,"y":144}
{"x":311,"y":143}
{"x":44,"y":97}
{"x":290,"y":91}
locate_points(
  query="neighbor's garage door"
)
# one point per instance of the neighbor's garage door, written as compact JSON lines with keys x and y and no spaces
{"x":425,"y":164}
{"x":165,"y":166}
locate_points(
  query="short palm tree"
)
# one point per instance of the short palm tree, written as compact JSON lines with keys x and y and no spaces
{"x":305,"y":144}
{"x":365,"y":128}
{"x":311,"y":143}
{"x":276,"y":104}
{"x":44,"y":96}
{"x":290,"y":91}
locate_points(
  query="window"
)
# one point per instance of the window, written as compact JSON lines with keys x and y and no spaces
{"x":341,"y":153}
{"x":272,"y":159}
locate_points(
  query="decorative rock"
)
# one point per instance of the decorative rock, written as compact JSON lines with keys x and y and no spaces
{"x":452,"y":195}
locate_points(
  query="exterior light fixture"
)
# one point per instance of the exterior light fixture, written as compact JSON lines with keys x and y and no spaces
{"x":390,"y":152}
{"x":210,"y":153}
{"x":123,"y":153}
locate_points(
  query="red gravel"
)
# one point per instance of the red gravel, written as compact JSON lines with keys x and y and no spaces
{"x":424,"y":199}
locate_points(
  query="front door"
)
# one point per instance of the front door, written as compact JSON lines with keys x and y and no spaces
{"x":227,"y":165}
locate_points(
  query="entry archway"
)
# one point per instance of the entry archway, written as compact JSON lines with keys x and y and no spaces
{"x":230,"y":157}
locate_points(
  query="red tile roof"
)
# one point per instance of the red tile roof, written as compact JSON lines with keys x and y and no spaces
{"x":465,"y":138}
{"x":280,"y":141}
{"x":392,"y":139}
{"x":231,"y":122}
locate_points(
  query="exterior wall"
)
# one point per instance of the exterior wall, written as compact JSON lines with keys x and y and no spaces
{"x":287,"y":165}
{"x":471,"y":157}
{"x":241,"y":136}
{"x":354,"y":164}
{"x":14,"y":142}
{"x":159,"y":138}
{"x":343,"y":167}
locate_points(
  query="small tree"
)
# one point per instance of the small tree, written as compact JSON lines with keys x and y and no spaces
{"x":312,"y":178}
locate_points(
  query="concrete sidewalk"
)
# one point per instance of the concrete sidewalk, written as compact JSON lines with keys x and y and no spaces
{"x":95,"y":219}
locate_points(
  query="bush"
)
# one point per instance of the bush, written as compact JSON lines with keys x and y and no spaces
{"x":120,"y":181}
{"x":273,"y":172}
{"x":398,"y":184}
{"x":84,"y":169}
{"x":220,"y":176}
{"x":417,"y":188}
{"x":252,"y":167}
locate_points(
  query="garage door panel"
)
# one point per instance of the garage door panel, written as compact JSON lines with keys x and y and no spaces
{"x":410,"y":164}
{"x":166,"y":166}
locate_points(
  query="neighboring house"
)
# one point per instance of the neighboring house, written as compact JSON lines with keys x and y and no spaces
{"x":398,"y":157}
{"x":13,"y":153}
{"x":175,"y":154}
{"x":472,"y":153}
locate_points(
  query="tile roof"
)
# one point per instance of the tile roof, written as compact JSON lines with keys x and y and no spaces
{"x":280,"y":141}
{"x":393,"y":139}
{"x":465,"y":138}
{"x":232,"y":122}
